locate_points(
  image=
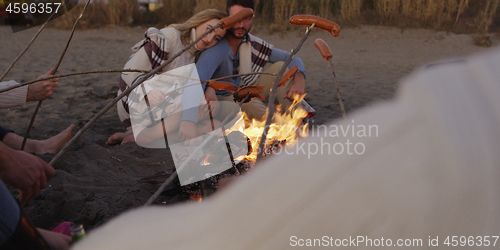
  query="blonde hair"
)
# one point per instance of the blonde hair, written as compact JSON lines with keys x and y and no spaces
{"x":196,"y":20}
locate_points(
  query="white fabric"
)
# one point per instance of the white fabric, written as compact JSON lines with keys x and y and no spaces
{"x":245,"y":54}
{"x":433,"y":170}
{"x":14,"y":97}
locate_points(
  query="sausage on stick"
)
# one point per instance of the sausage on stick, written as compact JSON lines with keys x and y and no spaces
{"x":319,"y":22}
{"x":326,"y":53}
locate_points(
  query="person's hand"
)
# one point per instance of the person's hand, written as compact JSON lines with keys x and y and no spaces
{"x":188,"y":132}
{"x":156,"y":97}
{"x":39,"y":91}
{"x":24,"y":171}
{"x":211,"y":97}
{"x":297,"y":87}
{"x":56,"y":241}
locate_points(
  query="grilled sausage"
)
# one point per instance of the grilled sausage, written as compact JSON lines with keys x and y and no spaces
{"x":287,"y":76}
{"x":243,"y":92}
{"x":321,"y":23}
{"x":219,"y":85}
{"x":323,"y":49}
{"x":230,"y":21}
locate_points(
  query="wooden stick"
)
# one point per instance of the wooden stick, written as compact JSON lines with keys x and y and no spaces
{"x":185,"y":162}
{"x":330,"y":64}
{"x":39,"y":106}
{"x":254,"y":73}
{"x":73,"y":74}
{"x":118,"y":71}
{"x":326,"y":53}
{"x":272,"y":96}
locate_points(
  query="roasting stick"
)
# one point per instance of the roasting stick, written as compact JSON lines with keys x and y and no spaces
{"x":28,"y":46}
{"x":72,"y":74}
{"x":327,"y":55}
{"x":119,"y":71}
{"x":309,"y":21}
{"x":212,"y":134}
{"x":231,"y":157}
{"x":39,"y":106}
{"x":223,"y":23}
{"x":272,"y":97}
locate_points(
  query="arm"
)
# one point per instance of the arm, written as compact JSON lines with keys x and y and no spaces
{"x":191,"y":98}
{"x":37,"y":91}
{"x":12,"y":98}
{"x":207,"y":65}
{"x":299,"y":82}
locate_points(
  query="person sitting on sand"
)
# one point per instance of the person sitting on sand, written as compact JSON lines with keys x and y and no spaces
{"x":151,"y":52}
{"x":18,"y":97}
{"x":29,"y":174}
{"x":241,"y":52}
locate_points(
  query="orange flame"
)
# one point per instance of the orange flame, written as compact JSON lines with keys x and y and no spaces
{"x":196,"y":197}
{"x":285,"y":127}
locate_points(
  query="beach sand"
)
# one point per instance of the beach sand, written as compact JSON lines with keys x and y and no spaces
{"x":95,"y":182}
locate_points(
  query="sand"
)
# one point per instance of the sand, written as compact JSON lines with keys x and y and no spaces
{"x":95,"y":182}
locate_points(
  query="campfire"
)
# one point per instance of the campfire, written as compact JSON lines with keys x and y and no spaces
{"x":285,"y":130}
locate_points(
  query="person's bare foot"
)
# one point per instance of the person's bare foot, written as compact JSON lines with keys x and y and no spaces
{"x":129,"y":138}
{"x":116,"y":138}
{"x":120,"y":138}
{"x":55,"y":143}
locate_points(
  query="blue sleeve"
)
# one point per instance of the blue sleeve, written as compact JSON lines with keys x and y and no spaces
{"x":281,"y":55}
{"x":10,"y":214}
{"x":211,"y":59}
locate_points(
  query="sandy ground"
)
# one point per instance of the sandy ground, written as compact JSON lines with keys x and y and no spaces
{"x":95,"y":182}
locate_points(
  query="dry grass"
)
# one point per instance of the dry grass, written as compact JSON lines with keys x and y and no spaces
{"x":462,"y":16}
{"x":210,"y":4}
{"x":350,"y":9}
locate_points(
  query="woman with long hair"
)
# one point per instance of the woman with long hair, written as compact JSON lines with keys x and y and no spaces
{"x":151,"y":52}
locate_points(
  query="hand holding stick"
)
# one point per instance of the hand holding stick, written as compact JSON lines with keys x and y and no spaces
{"x":327,"y":55}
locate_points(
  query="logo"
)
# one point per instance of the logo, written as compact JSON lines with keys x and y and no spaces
{"x":25,"y":14}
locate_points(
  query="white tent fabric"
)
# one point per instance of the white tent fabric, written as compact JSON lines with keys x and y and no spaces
{"x":432,"y":171}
